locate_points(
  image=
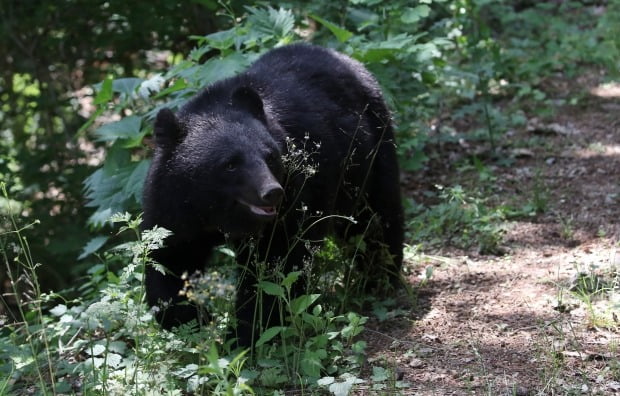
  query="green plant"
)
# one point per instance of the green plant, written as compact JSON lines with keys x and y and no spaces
{"x":107,"y":341}
{"x":537,"y":203}
{"x":458,"y":219}
{"x":567,"y":228}
{"x":28,"y":303}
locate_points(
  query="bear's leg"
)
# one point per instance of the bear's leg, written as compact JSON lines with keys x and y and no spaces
{"x":385,"y":200}
{"x":383,"y":206}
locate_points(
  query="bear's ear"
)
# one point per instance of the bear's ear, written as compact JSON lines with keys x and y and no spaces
{"x":166,"y":131}
{"x":248,"y":99}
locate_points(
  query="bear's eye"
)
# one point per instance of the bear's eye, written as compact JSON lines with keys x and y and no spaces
{"x":232,"y":164}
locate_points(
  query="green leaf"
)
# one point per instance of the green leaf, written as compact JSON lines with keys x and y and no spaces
{"x":379,"y":374}
{"x":222,"y":40}
{"x":272,"y":22}
{"x":95,"y":350}
{"x":62,"y":387}
{"x":59,"y":310}
{"x":90,"y":120}
{"x":311,"y":362}
{"x":135,"y":182}
{"x":127,"y":128}
{"x":92,"y":246}
{"x":290,"y":279}
{"x":226,"y":251}
{"x":325,"y":381}
{"x":126,"y":86}
{"x":414,"y":14}
{"x":341,"y":34}
{"x":301,"y":303}
{"x":117,"y":346}
{"x":105,"y":92}
{"x":117,"y":187}
{"x":178,"y":85}
{"x":341,"y":388}
{"x":271,"y":288}
{"x":269,"y":334}
{"x":113,"y":360}
{"x":216,"y":69}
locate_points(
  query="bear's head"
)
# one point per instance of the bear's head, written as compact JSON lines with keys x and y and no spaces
{"x":221,"y":156}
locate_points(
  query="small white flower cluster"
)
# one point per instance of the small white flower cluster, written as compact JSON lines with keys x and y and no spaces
{"x":298,"y":159}
{"x":209,"y":288}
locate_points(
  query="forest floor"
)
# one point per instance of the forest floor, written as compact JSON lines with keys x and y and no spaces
{"x":543,"y":318}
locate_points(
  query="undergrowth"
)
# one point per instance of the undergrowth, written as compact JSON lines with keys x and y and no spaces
{"x":106,"y":341}
{"x":464,"y":62}
{"x":459,"y":219}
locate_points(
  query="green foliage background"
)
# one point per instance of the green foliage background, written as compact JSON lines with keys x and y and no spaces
{"x":81,"y":81}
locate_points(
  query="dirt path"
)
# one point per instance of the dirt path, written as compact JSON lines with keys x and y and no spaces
{"x":510,"y":325}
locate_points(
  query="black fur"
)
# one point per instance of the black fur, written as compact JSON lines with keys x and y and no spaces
{"x":218,"y":169}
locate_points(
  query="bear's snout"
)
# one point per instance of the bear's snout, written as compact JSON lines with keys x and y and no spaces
{"x":272,"y":194}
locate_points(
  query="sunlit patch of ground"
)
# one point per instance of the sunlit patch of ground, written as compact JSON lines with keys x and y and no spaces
{"x":518,"y":324}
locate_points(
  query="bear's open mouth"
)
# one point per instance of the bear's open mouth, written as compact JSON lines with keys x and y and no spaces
{"x":263,"y":211}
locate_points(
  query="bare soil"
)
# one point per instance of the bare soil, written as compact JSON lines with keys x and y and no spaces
{"x":510,"y":325}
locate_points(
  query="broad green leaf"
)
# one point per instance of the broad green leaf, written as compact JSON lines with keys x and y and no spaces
{"x":341,"y":388}
{"x":126,"y":128}
{"x":117,"y":346}
{"x":178,"y":85}
{"x":290,"y":279}
{"x":104,"y":94}
{"x":92,"y":246}
{"x":271,"y":288}
{"x":10,"y":206}
{"x":325,"y":381}
{"x":187,"y":371}
{"x":372,"y":55}
{"x":414,"y":14}
{"x":311,"y":362}
{"x":113,"y":360}
{"x":301,"y":303}
{"x":95,"y":350}
{"x":272,"y":22}
{"x":341,"y":34}
{"x":379,"y":374}
{"x":269,"y":334}
{"x":59,"y":310}
{"x":127,"y":85}
{"x":62,"y":387}
{"x":116,"y":187}
{"x":100,"y":217}
{"x":135,"y":181}
{"x":216,"y":69}
{"x":222,"y":40}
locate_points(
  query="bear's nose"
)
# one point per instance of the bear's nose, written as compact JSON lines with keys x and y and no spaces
{"x":272,"y":194}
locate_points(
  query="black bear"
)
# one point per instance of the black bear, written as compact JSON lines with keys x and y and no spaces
{"x":225,"y":169}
